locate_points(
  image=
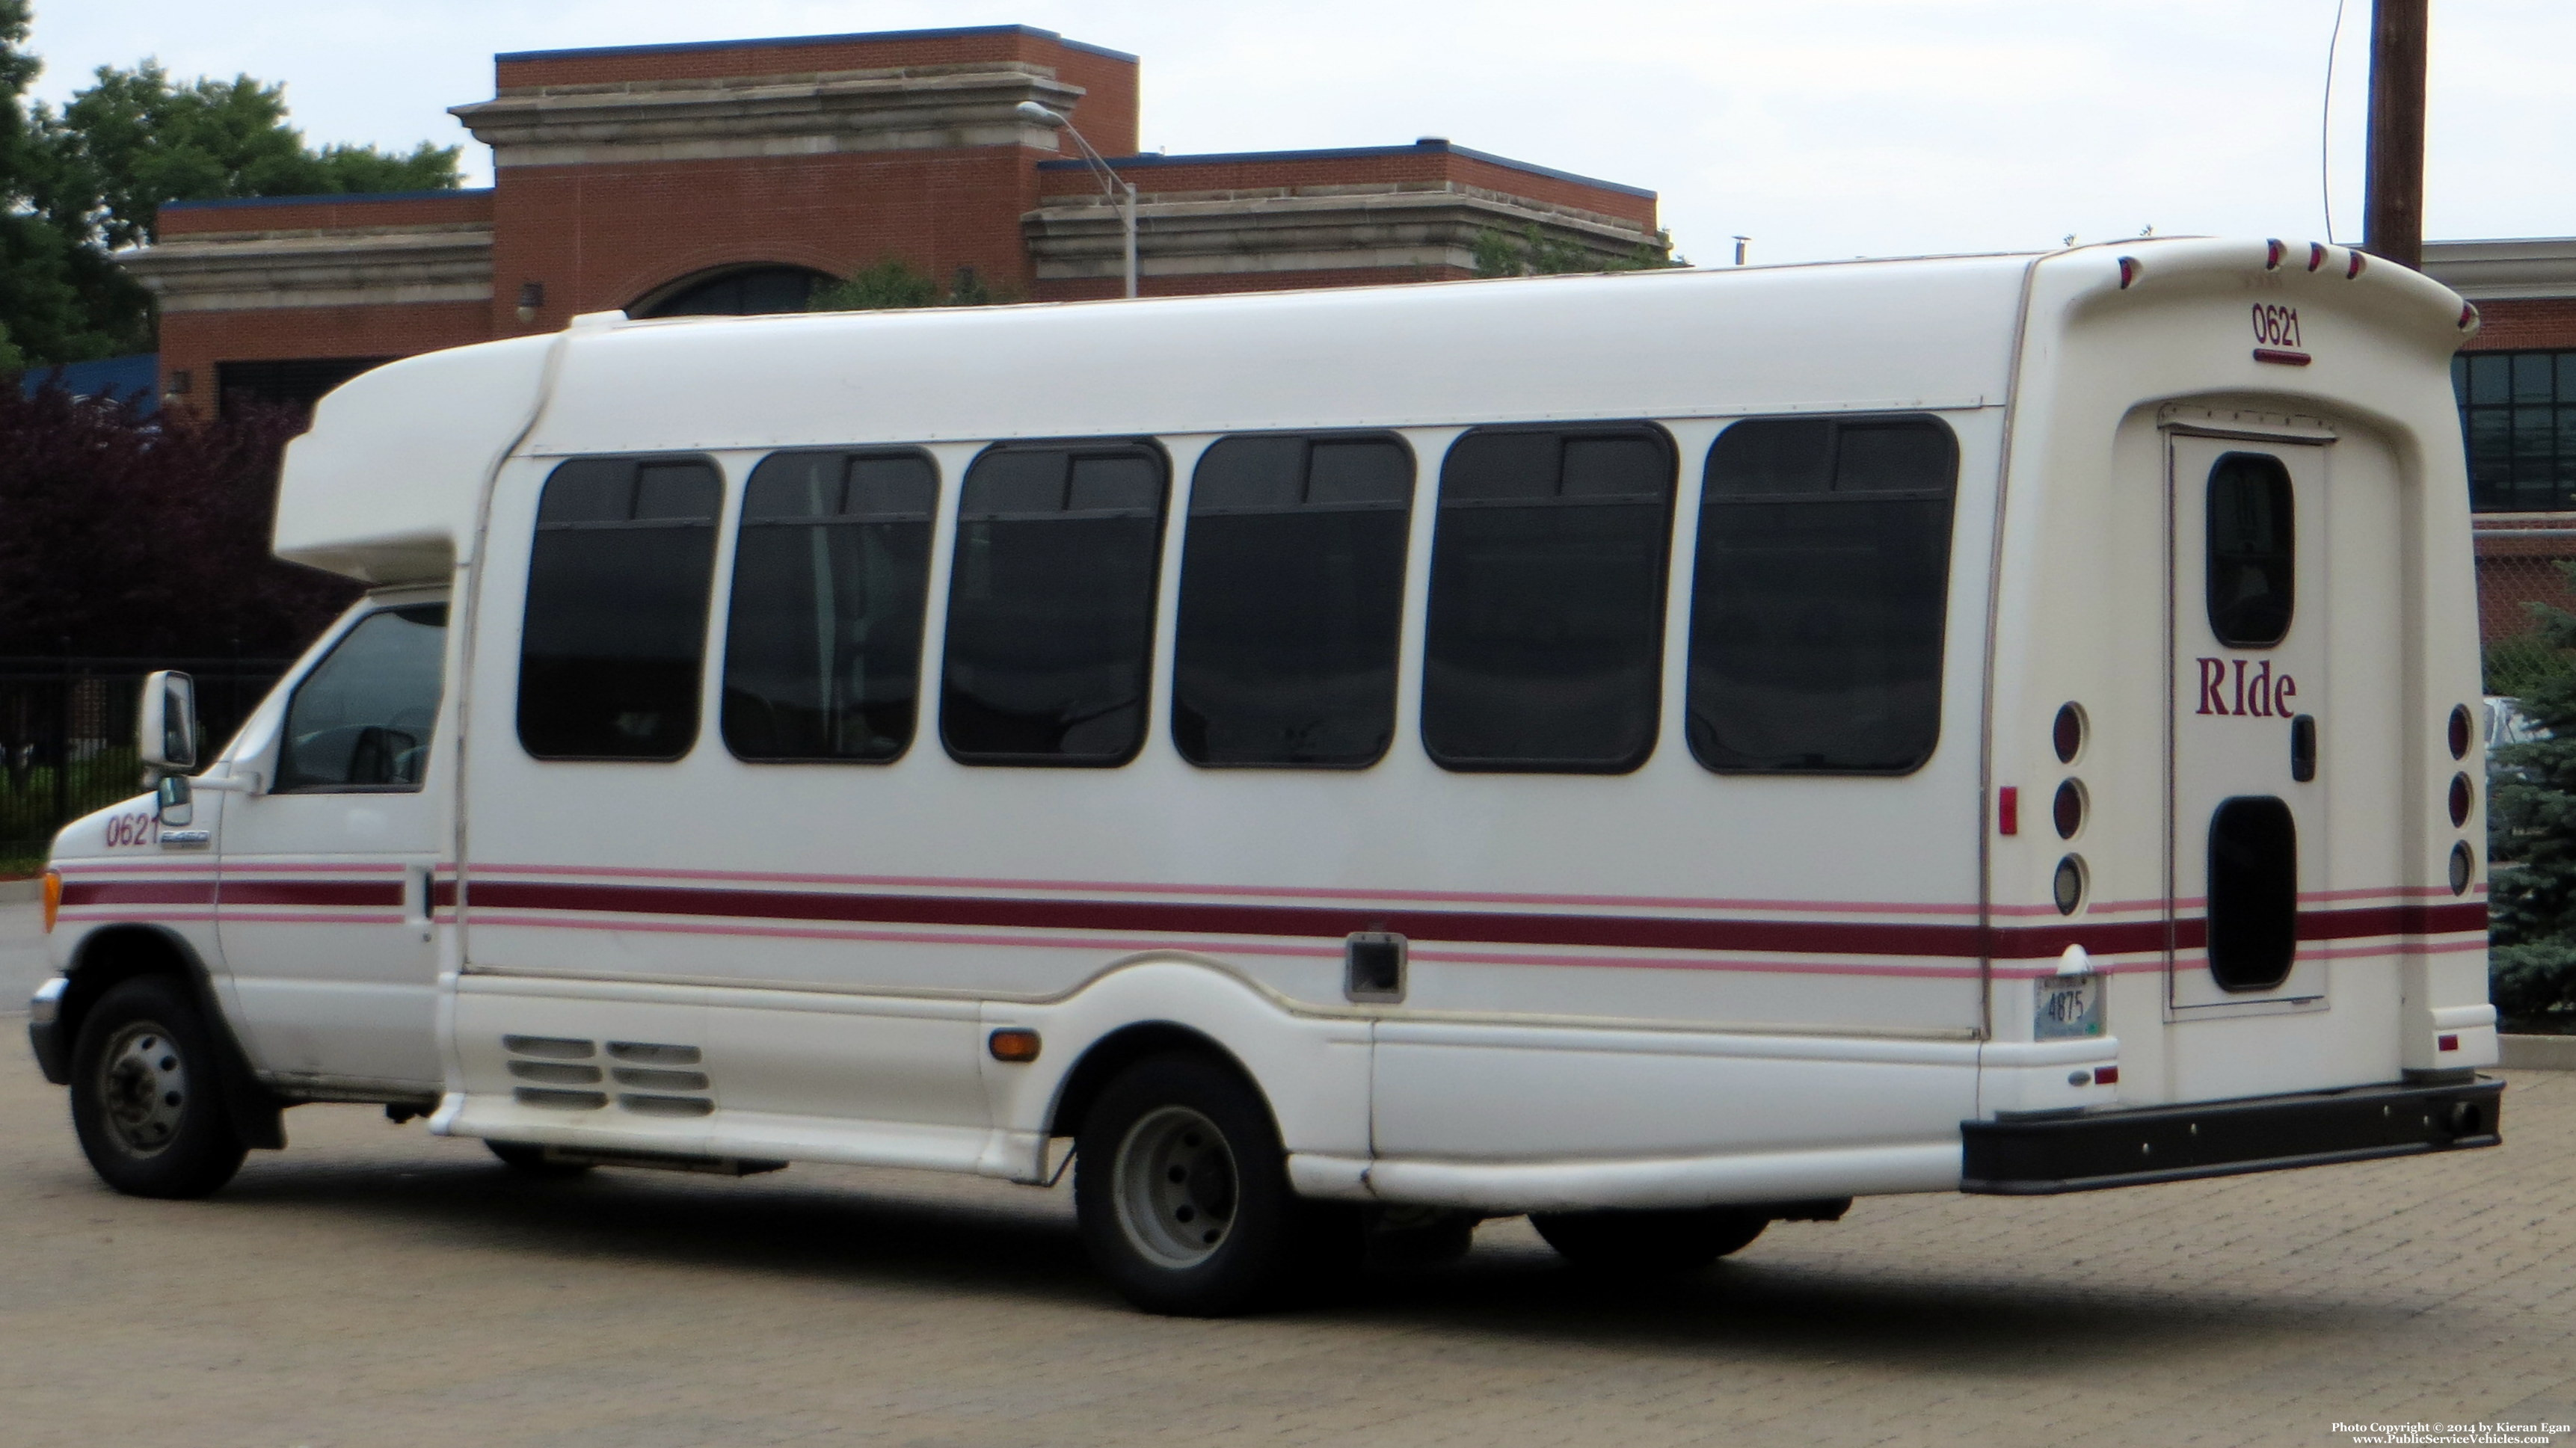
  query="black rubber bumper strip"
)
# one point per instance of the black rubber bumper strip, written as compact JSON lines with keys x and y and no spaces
{"x":2083,"y":1151}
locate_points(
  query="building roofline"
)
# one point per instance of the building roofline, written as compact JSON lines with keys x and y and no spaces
{"x":685,"y":46}
{"x":1428,"y":144}
{"x":325,"y":198}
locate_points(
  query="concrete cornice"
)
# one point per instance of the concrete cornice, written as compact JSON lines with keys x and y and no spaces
{"x":915,"y":108}
{"x":333,"y":267}
{"x":2501,"y":270}
{"x":1402,"y":224}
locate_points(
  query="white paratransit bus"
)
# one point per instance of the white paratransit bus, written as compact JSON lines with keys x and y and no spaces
{"x":1662,"y":753}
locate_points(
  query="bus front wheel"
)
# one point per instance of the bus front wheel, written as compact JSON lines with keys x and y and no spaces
{"x":1673,"y":1242}
{"x":146,"y":1102}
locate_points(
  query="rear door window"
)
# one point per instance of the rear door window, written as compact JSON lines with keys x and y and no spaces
{"x":2253,"y":892}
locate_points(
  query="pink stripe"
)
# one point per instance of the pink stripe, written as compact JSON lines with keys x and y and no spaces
{"x":319,"y":915}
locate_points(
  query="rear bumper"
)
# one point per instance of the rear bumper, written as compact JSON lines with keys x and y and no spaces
{"x":2086,"y":1151}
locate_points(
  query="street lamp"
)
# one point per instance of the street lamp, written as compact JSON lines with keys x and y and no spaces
{"x":1110,"y":180}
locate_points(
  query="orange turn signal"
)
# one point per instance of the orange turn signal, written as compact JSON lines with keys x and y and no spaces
{"x":53,"y":898}
{"x":1013,"y":1043}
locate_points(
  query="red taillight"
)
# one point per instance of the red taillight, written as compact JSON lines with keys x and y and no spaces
{"x":2008,"y":810}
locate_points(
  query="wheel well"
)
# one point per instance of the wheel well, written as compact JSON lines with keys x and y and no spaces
{"x":1121,"y":1049}
{"x":110,"y":957}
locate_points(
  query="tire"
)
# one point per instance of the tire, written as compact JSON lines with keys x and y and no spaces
{"x":1180,"y":1189}
{"x":529,"y":1159}
{"x":1639,"y":1243}
{"x":147,"y":1094}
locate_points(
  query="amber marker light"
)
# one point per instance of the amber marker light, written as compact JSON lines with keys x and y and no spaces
{"x":53,"y":898}
{"x":1014,"y":1044}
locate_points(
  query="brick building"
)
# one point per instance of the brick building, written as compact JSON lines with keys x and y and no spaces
{"x":734,"y":176}
{"x":2516,"y":381}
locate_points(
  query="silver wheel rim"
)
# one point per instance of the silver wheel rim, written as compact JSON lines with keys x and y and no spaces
{"x":143,"y":1087}
{"x":1176,"y":1187}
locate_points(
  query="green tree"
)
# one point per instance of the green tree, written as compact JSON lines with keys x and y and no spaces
{"x":1533,"y":253}
{"x":78,"y":183}
{"x":893,"y":284}
{"x":2531,"y":841}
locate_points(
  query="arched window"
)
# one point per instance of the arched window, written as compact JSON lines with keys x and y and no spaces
{"x":743,"y":292}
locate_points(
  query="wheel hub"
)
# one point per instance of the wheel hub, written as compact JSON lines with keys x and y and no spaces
{"x":143,"y":1084}
{"x":1176,"y":1186}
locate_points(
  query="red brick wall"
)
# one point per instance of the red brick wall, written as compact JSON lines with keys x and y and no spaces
{"x":601,"y":237}
{"x":2510,"y":325}
{"x":325,"y":213}
{"x":193,"y":342}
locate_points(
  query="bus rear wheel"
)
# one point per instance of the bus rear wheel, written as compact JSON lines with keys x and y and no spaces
{"x":146,"y":1102}
{"x":1181,"y":1193}
{"x":1631,"y":1243}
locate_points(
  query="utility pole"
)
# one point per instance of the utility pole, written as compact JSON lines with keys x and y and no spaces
{"x":2392,"y":225}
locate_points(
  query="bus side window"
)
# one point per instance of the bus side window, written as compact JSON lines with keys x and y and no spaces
{"x":1545,"y":636}
{"x":823,"y":637}
{"x":1051,"y":604}
{"x":614,"y":641}
{"x":1819,"y":593}
{"x":1292,"y":597}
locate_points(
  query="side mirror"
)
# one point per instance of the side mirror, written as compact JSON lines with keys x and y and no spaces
{"x":169,"y":725}
{"x":178,"y":802}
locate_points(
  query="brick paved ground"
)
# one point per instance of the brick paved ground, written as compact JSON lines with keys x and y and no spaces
{"x":375,"y":1285}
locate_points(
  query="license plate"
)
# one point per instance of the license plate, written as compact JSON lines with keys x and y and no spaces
{"x":2069,"y":1006}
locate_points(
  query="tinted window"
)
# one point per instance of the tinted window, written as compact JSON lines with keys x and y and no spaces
{"x":616,"y":626}
{"x":362,"y":719}
{"x":823,"y":640}
{"x":1051,"y":605}
{"x":2253,"y":550}
{"x":1292,"y":589}
{"x":1818,"y":598}
{"x":1547,"y":599}
{"x":2253,"y":892}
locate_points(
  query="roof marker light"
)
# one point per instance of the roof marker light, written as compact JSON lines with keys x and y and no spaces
{"x":2354,"y":269}
{"x":2468,"y":315}
{"x":2272,"y":254}
{"x":2316,"y":255}
{"x":2129,"y":270}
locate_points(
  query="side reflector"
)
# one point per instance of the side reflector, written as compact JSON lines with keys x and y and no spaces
{"x":2281,"y":355}
{"x":53,"y":898}
{"x":1014,"y":1044}
{"x":2447,"y":1043}
{"x":2008,"y":810}
{"x":2106,"y":1075}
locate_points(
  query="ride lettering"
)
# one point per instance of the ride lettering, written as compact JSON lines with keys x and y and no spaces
{"x":2225,"y":690}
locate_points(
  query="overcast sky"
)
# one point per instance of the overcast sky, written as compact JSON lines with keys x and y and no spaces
{"x":1820,"y":128}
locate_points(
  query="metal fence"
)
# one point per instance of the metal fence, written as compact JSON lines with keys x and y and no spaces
{"x":67,"y":734}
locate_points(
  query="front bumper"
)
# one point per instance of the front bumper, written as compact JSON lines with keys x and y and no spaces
{"x":45,"y":1031}
{"x":2082,"y":1151}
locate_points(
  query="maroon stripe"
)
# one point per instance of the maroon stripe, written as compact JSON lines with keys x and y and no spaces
{"x":138,"y":892}
{"x":313,"y":892}
{"x":1634,"y":932}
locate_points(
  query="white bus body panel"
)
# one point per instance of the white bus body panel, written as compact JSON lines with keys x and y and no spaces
{"x":1651,"y":989}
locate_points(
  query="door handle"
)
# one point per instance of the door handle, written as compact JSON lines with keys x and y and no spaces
{"x":2303,"y":748}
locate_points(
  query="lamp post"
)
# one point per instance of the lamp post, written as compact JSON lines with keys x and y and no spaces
{"x":1110,"y":181}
